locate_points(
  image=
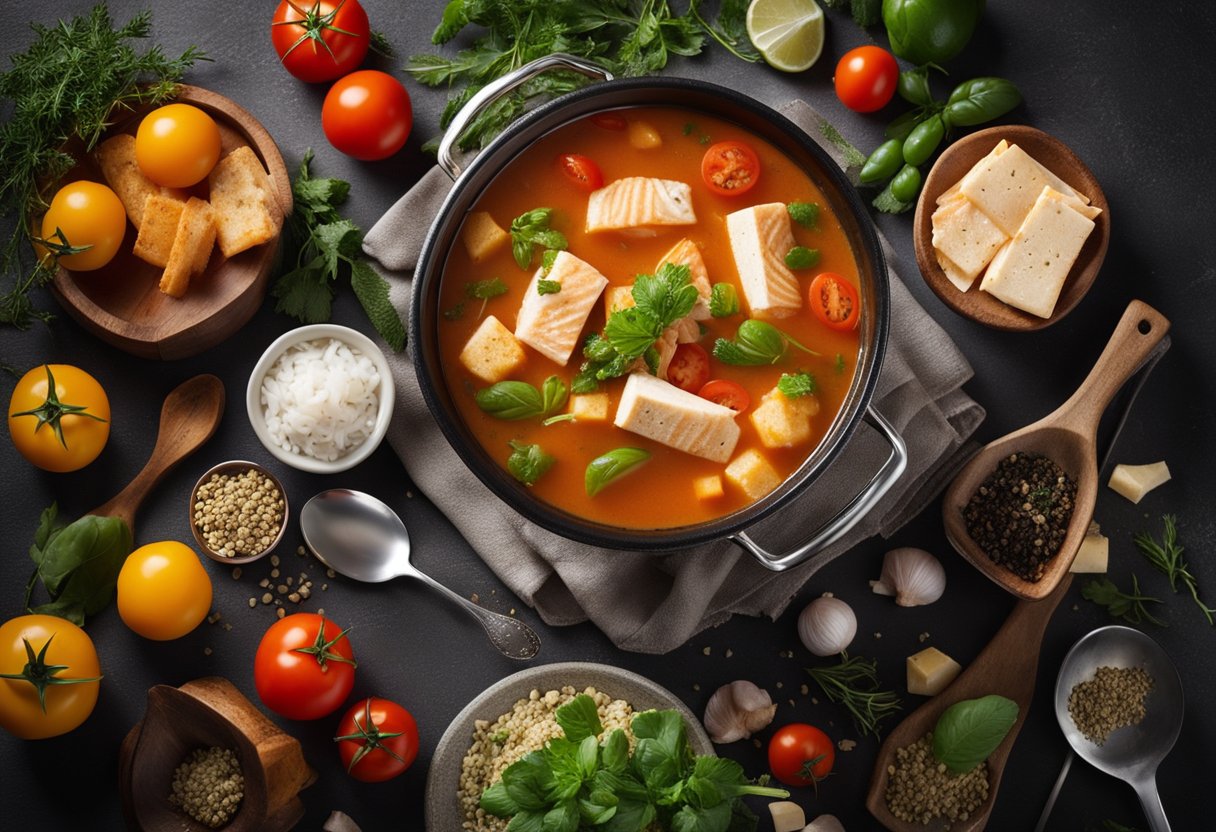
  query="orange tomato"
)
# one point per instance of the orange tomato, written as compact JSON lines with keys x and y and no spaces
{"x":87,"y":216}
{"x":163,"y":590}
{"x":177,"y":145}
{"x":54,"y":641}
{"x":59,"y":417}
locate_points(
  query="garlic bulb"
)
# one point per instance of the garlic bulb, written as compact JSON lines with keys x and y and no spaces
{"x":827,"y":626}
{"x":913,"y":576}
{"x":736,"y":711}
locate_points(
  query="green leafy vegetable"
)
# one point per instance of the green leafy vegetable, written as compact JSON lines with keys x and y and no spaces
{"x":78,"y":564}
{"x":723,"y":300}
{"x":454,"y":313}
{"x":531,"y":229}
{"x":980,"y":100}
{"x":528,"y":463}
{"x":801,"y":257}
{"x":579,"y":719}
{"x":608,"y":467}
{"x":853,"y":683}
{"x":887,"y":203}
{"x":806,"y":214}
{"x":969,"y":731}
{"x":318,"y":242}
{"x":913,"y":86}
{"x":547,"y":260}
{"x":1128,"y":606}
{"x":515,"y":400}
{"x":755,"y":343}
{"x":548,"y":287}
{"x":730,"y":29}
{"x":839,"y":366}
{"x":795,"y":385}
{"x":1166,"y":557}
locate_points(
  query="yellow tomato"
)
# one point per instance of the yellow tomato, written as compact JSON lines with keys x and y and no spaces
{"x":177,"y":145}
{"x":61,"y":427}
{"x":83,"y":215}
{"x":54,"y":641}
{"x":163,"y":590}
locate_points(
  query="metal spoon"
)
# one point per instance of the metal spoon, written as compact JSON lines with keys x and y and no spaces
{"x":359,"y":536}
{"x":1131,"y":754}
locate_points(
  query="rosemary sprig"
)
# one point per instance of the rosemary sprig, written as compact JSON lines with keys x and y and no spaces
{"x":1166,"y":557}
{"x":1128,"y":606}
{"x":853,"y":683}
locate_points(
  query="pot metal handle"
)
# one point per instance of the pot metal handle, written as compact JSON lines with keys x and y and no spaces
{"x":847,"y":517}
{"x":494,"y":90}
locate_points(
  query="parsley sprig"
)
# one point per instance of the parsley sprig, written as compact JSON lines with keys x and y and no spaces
{"x":1128,"y":606}
{"x":1166,"y":557}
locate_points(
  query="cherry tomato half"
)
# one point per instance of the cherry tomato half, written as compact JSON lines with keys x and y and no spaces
{"x":304,"y":667}
{"x":177,"y":145}
{"x":320,"y":40}
{"x":834,"y":301}
{"x":689,"y":367}
{"x":866,"y":78}
{"x":726,"y":393}
{"x":730,"y":168}
{"x":609,"y":121}
{"x":582,"y":171}
{"x":83,"y":215}
{"x":377,"y":740}
{"x":800,"y":755}
{"x":367,"y":115}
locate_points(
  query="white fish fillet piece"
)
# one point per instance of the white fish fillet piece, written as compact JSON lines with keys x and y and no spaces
{"x":760,"y":237}
{"x":660,"y":411}
{"x":638,"y":202}
{"x":686,"y":253}
{"x":551,"y":324}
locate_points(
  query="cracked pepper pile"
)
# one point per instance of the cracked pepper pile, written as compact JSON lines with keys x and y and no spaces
{"x":921,"y":789}
{"x":208,"y":786}
{"x":1113,"y":699}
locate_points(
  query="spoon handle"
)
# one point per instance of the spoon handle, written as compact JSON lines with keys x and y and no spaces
{"x":510,"y":636}
{"x":1150,"y":799}
{"x":1055,"y":792}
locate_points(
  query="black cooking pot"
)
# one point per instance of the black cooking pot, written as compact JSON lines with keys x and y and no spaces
{"x":725,"y":104}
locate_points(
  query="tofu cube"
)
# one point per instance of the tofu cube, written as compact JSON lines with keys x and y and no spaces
{"x":930,"y":671}
{"x":1093,"y":556}
{"x":760,"y":237}
{"x":492,"y":353}
{"x":1134,"y":481}
{"x":708,"y":488}
{"x":589,"y":407}
{"x":482,"y":236}
{"x":753,"y":473}
{"x":673,"y":417}
{"x":782,"y":422}
{"x":617,"y":298}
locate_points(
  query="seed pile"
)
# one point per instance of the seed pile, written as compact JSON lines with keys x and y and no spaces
{"x":208,"y":786}
{"x":1113,"y":699}
{"x":920,"y":789}
{"x":239,"y":515}
{"x":1019,"y":515}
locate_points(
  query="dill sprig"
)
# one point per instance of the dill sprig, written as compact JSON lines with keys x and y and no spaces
{"x":853,"y":683}
{"x":1128,"y":606}
{"x":66,"y":90}
{"x":1166,"y":557}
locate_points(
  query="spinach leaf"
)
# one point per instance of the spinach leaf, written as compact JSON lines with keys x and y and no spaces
{"x":723,"y":300}
{"x":531,"y":229}
{"x":608,"y":467}
{"x":980,"y":100}
{"x":969,"y":731}
{"x":528,"y":463}
{"x":515,"y":400}
{"x":78,"y":564}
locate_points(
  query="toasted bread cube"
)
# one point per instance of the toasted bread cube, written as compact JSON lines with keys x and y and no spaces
{"x":191,"y":247}
{"x":708,"y":488}
{"x":482,"y":236}
{"x":752,"y":472}
{"x":116,"y":158}
{"x":493,"y":352}
{"x":160,"y":218}
{"x":589,"y":407}
{"x":246,"y":213}
{"x":617,"y":298}
{"x":782,"y":422}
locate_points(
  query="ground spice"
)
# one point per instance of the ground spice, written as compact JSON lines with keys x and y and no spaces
{"x":1019,"y":515}
{"x":208,"y":786}
{"x":239,"y":515}
{"x":920,"y":789}
{"x":1113,"y":699}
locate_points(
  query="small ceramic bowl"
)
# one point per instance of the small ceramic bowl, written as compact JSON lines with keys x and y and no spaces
{"x":385,"y":394}
{"x":236,"y":466}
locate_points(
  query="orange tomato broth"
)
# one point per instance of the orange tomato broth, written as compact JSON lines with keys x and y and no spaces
{"x":659,"y":493}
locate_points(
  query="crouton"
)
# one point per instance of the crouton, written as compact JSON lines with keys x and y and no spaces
{"x":246,"y":213}
{"x":493,"y":352}
{"x":191,"y":247}
{"x":617,"y":298}
{"x":116,"y":158}
{"x":708,"y":488}
{"x":782,"y":422}
{"x":482,"y":236}
{"x":589,"y":407}
{"x":753,"y":473}
{"x":160,"y":218}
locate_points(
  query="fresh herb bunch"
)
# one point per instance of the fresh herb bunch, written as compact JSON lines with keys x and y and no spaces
{"x":1166,"y":557}
{"x":853,"y":683}
{"x":318,"y":241}
{"x":629,"y":37}
{"x":578,"y":782}
{"x":64,"y":90}
{"x":78,"y":564}
{"x":1128,"y":606}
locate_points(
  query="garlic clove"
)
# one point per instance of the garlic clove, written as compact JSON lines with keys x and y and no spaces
{"x":736,"y":711}
{"x":827,"y":626}
{"x":913,"y":576}
{"x":824,"y":823}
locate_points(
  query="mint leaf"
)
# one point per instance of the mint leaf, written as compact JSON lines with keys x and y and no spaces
{"x":969,"y":731}
{"x":372,"y":291}
{"x":792,"y":386}
{"x":531,"y":229}
{"x":806,"y":214}
{"x":485,"y":289}
{"x":304,"y":293}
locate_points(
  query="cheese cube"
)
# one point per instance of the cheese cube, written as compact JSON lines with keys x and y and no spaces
{"x":787,"y":816}
{"x":782,"y":422}
{"x":1093,"y":555}
{"x":753,"y":473}
{"x":551,"y":324}
{"x":760,"y":237}
{"x":930,"y":671}
{"x":1006,"y":186}
{"x":492,"y":353}
{"x":965,"y":235}
{"x":589,"y":407}
{"x":1134,"y":481}
{"x":708,"y":488}
{"x":617,"y":298}
{"x":660,"y":411}
{"x":482,"y":236}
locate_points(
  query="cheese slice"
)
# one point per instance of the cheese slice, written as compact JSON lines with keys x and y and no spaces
{"x":660,"y":411}
{"x":1005,"y":187}
{"x":966,"y":236}
{"x":760,"y":237}
{"x":1134,"y":481}
{"x":686,"y":253}
{"x":930,"y":671}
{"x":1093,"y":555}
{"x":1029,"y":271}
{"x":551,"y":324}
{"x":953,"y":273}
{"x":636,"y":203}
{"x":787,"y":816}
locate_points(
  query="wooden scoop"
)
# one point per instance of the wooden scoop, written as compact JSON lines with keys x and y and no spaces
{"x":188,"y":418}
{"x":1007,"y":666}
{"x":1069,"y":437}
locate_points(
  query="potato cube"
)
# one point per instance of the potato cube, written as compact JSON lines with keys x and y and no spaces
{"x":617,"y":298}
{"x":482,"y":236}
{"x":158,"y":229}
{"x":752,"y":472}
{"x":930,"y":671}
{"x":589,"y":407}
{"x":782,"y":422}
{"x":708,"y":488}
{"x":492,"y":353}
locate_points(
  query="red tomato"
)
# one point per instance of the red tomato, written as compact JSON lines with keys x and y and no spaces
{"x":689,"y":367}
{"x":320,"y":40}
{"x":801,"y":755}
{"x":304,"y":667}
{"x":834,"y":301}
{"x":609,"y":121}
{"x":582,"y":171}
{"x":726,"y":393}
{"x":377,"y":740}
{"x":866,"y":78}
{"x":367,"y":115}
{"x":730,"y":168}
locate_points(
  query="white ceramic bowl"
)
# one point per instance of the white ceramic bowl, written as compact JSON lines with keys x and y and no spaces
{"x":314,"y":332}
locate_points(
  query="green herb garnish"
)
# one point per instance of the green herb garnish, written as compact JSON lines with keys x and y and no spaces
{"x":797,"y":384}
{"x":755,"y":343}
{"x":484,"y":291}
{"x":1128,"y":606}
{"x":969,"y":731}
{"x":730,"y":29}
{"x":548,"y":287}
{"x":611,"y":466}
{"x":806,"y":214}
{"x":454,"y":313}
{"x":723,"y":300}
{"x":547,"y":260}
{"x":839,"y":366}
{"x":801,"y":257}
{"x":853,"y":683}
{"x":531,"y":230}
{"x":528,"y":463}
{"x":515,"y":400}
{"x":1166,"y":557}
{"x":78,"y":564}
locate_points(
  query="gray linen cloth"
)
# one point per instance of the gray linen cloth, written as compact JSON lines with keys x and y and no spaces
{"x":653,"y":603}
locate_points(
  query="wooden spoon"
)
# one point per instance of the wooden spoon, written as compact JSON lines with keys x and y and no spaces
{"x":1069,"y":437}
{"x":188,"y":418}
{"x":1007,"y":666}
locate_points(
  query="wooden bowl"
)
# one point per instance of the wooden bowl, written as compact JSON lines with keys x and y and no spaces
{"x":201,"y":714}
{"x":121,"y":303}
{"x":950,"y":167}
{"x":236,"y":466}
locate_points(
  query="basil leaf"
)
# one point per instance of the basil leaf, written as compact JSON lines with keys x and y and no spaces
{"x":616,"y":751}
{"x":610,"y":466}
{"x":528,"y":463}
{"x":914,"y":86}
{"x":579,"y":718}
{"x":796,"y":385}
{"x":528,"y":781}
{"x":530,"y":229}
{"x":528,"y":821}
{"x":723,"y":300}
{"x":588,"y":756}
{"x":79,"y":564}
{"x":969,"y":731}
{"x":548,"y":287}
{"x":801,"y":257}
{"x":562,"y":818}
{"x":485,"y":289}
{"x":495,"y":801}
{"x":806,"y":214}
{"x":902,"y":126}
{"x":553,"y":395}
{"x":511,"y":400}
{"x":48,"y":527}
{"x":756,"y":343}
{"x":980,"y":100}
{"x":694,"y":819}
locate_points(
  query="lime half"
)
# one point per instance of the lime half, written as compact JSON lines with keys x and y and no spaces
{"x":787,"y":33}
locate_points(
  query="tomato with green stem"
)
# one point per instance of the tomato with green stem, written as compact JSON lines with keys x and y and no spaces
{"x":834,"y":301}
{"x":49,"y":676}
{"x":59,"y":417}
{"x":801,"y":755}
{"x":377,"y":740}
{"x":319,"y":40}
{"x":83,"y":228}
{"x":866,"y":78}
{"x":304,"y":667}
{"x":367,"y":115}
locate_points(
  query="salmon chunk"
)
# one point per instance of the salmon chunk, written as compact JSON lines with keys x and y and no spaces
{"x":760,"y":237}
{"x":551,"y":324}
{"x":636,"y":203}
